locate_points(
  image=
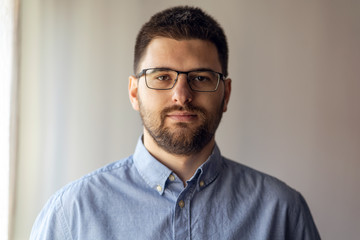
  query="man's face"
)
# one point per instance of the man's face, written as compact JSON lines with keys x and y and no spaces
{"x":180,"y":120}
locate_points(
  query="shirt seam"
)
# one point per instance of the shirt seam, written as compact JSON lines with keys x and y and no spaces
{"x":64,"y":224}
{"x":96,"y":173}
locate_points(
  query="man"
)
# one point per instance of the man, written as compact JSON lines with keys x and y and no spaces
{"x":177,"y":185}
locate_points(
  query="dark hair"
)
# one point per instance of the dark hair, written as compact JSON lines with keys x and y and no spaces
{"x":181,"y":23}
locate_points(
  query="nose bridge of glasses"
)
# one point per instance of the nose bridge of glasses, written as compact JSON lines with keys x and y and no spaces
{"x":186,"y":75}
{"x":181,"y":73}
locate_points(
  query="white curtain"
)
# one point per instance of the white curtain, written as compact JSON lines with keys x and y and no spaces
{"x":8,"y":111}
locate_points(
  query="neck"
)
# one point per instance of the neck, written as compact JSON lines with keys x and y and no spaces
{"x":183,"y":166}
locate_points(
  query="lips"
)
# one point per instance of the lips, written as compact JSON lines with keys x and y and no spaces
{"x":182,"y":116}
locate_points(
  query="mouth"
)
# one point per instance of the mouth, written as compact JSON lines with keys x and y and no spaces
{"x":182,"y":116}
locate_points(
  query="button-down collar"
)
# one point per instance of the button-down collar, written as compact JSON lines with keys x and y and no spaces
{"x":153,"y":172}
{"x":156,"y":174}
{"x":209,"y":170}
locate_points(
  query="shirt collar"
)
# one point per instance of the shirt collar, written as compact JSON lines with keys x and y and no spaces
{"x":156,"y":174}
{"x":209,"y":170}
{"x":153,"y":172}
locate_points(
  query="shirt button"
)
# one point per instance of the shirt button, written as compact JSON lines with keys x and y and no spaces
{"x":171,"y":177}
{"x":181,"y":203}
{"x":159,"y":188}
{"x":202,"y":183}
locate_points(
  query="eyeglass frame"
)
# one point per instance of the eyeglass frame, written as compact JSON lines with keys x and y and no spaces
{"x":220,"y":77}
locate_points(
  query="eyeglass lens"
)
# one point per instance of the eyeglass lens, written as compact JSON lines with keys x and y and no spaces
{"x":166,"y":78}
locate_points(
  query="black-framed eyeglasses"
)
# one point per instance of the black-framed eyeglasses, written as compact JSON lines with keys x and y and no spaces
{"x":165,"y":79}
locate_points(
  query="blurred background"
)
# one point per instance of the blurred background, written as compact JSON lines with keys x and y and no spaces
{"x":294,"y":111}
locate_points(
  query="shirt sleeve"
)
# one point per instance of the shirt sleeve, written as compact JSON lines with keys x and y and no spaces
{"x":301,"y":224}
{"x":51,"y":223}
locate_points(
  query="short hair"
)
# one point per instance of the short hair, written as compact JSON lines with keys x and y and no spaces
{"x":182,"y":23}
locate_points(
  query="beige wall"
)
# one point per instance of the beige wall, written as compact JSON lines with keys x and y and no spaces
{"x":294,"y":110}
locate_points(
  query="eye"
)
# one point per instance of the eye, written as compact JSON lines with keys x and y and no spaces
{"x":163,"y":77}
{"x":201,"y":79}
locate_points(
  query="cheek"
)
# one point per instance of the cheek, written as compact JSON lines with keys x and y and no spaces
{"x":211,"y":103}
{"x":151,"y":105}
{"x":155,"y":99}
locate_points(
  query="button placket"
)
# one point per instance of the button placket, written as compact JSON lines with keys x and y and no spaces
{"x":181,"y":220}
{"x":182,"y":229}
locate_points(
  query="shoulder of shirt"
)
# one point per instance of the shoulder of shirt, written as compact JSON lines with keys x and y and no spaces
{"x":255,"y":180}
{"x":114,"y":168}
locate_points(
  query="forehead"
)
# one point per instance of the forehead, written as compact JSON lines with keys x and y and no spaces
{"x":182,"y":55}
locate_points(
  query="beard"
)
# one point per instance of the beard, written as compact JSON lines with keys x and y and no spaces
{"x":182,"y":138}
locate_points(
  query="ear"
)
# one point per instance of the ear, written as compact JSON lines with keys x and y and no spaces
{"x":133,"y":92}
{"x":227,"y":83}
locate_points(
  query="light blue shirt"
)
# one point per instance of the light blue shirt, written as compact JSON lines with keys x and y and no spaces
{"x":140,"y":198}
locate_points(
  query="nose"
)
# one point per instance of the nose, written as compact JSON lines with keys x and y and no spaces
{"x":181,"y":92}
